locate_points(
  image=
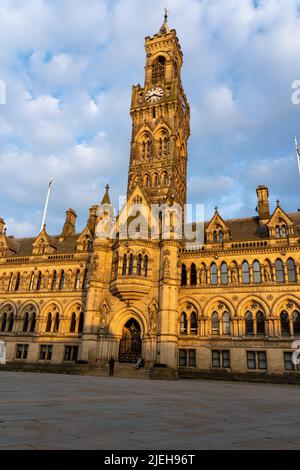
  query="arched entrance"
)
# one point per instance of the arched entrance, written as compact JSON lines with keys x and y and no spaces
{"x":131,"y":344}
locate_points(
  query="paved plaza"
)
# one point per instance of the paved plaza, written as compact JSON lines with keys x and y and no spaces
{"x":47,"y":411}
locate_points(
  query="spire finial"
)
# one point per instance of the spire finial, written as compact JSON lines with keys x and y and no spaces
{"x":165,"y":27}
{"x":216,"y":210}
{"x":278,"y":203}
{"x":107,"y":187}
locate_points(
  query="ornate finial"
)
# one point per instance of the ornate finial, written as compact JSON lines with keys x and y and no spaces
{"x":216,"y":210}
{"x":166,"y":14}
{"x":165,"y":27}
{"x":107,"y":187}
{"x":278,"y":203}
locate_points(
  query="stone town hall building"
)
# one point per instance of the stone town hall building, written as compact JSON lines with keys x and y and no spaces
{"x":232,"y":304}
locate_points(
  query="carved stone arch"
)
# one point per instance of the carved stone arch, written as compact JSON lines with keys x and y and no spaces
{"x":155,"y":56}
{"x":70,"y":309}
{"x":249,"y":304}
{"x":215,"y":305}
{"x":121,"y":317}
{"x":25,"y":306}
{"x":49,"y":306}
{"x":188,"y":300}
{"x":283,"y":301}
{"x":6,"y":304}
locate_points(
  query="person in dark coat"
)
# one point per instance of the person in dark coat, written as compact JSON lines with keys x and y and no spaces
{"x":111,"y":364}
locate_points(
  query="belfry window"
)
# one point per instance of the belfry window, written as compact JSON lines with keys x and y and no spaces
{"x":158,"y":70}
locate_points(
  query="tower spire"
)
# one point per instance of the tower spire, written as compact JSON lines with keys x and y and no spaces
{"x":165,"y":29}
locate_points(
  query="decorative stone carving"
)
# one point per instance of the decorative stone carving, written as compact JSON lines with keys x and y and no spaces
{"x":153,"y":316}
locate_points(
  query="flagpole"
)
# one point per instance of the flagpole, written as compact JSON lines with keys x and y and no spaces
{"x":297,"y":154}
{"x":46,"y":205}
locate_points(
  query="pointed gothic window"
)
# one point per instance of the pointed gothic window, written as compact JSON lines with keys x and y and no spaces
{"x":226,"y":324}
{"x":131,"y":264}
{"x":139,"y":265}
{"x":183,"y":324}
{"x":194,"y":324}
{"x":215,"y":324}
{"x":246,"y":272}
{"x":39,"y":281}
{"x":249,"y":324}
{"x":73,"y":323}
{"x":54,"y":280}
{"x":26,"y":322}
{"x":260,"y":321}
{"x":279,"y":271}
{"x":158,"y":70}
{"x":291,"y":267}
{"x":56,"y":323}
{"x":256,"y":272}
{"x":49,"y":323}
{"x":81,"y":322}
{"x":18,"y":279}
{"x":214,"y":274}
{"x":224,"y":274}
{"x":77,"y":279}
{"x":193,"y":275}
{"x":284,"y":324}
{"x":183,"y":275}
{"x":296,"y":323}
{"x":61,"y":280}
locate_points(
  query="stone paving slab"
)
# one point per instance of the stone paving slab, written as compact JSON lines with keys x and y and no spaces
{"x":47,"y":411}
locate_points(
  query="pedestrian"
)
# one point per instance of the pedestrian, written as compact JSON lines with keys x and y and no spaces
{"x":139,"y":361}
{"x":111,"y":364}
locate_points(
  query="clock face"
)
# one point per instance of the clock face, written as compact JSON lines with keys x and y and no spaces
{"x":154,"y":94}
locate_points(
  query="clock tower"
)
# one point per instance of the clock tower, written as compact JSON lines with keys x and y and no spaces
{"x":160,"y":123}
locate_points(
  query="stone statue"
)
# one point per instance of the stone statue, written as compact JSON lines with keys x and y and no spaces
{"x":153,"y":316}
{"x":203,"y":278}
{"x":267,"y":273}
{"x":233,"y":271}
{"x":103,"y":317}
{"x":166,"y":266}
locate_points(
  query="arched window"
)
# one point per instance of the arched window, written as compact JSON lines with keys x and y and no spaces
{"x":73,"y":323}
{"x":49,"y":323}
{"x":26,"y":322}
{"x":85,"y":279}
{"x":77,"y":279}
{"x":39,"y":281}
{"x":221,"y":236}
{"x":193,"y":275}
{"x":283,"y":231}
{"x":183,"y":275}
{"x":10,"y":283}
{"x":183,"y":324}
{"x":194,"y":324}
{"x":33,"y":323}
{"x":124,"y":268}
{"x":146,"y":262}
{"x":291,"y":268}
{"x":256,"y":272}
{"x":246,"y":272}
{"x":155,"y":180}
{"x":226,"y":323}
{"x":277,"y":231}
{"x":165,"y":179}
{"x":139,"y":265}
{"x":81,"y":323}
{"x":31,"y":284}
{"x":146,"y":147}
{"x":61,"y":280}
{"x":215,"y":236}
{"x":56,"y":323}
{"x":131,"y":264}
{"x":224,"y":274}
{"x":214,"y":274}
{"x":147,"y":181}
{"x":249,"y":324}
{"x":3,"y":321}
{"x":10,"y":322}
{"x":158,"y":70}
{"x":260,"y":322}
{"x":279,"y":271}
{"x":54,"y":280}
{"x":18,"y":279}
{"x":296,"y":323}
{"x":284,"y":324}
{"x":215,"y":324}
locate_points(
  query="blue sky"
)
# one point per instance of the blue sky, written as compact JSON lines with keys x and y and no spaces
{"x":69,"y":67}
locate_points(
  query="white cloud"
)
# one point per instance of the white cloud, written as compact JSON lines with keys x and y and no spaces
{"x":69,"y":71}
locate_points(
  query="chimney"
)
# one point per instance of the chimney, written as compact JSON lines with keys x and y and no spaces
{"x":2,"y":225}
{"x":91,"y":223}
{"x":263,"y":203}
{"x":69,"y":225}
